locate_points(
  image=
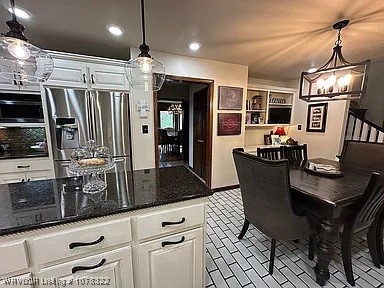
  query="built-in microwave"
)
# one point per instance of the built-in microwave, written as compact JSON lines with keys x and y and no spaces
{"x":21,"y":108}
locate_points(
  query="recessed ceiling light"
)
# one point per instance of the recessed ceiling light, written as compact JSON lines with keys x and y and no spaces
{"x":194,"y":46}
{"x":311,"y":70}
{"x":21,"y":13}
{"x":115,"y":30}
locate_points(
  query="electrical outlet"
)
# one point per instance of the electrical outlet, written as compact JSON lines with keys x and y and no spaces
{"x":299,"y":127}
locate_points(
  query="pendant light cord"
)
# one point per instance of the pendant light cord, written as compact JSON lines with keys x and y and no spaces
{"x":142,"y":20}
{"x":12,"y":2}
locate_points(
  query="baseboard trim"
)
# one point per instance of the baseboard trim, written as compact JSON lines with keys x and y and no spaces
{"x":225,"y":188}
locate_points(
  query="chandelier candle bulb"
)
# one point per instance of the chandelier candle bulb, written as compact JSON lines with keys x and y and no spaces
{"x":320,"y":86}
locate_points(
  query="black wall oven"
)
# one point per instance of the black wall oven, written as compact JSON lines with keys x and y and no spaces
{"x":21,"y":108}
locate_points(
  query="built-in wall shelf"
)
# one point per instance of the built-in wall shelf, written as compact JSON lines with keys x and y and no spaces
{"x":257,"y":110}
{"x":264,"y":125}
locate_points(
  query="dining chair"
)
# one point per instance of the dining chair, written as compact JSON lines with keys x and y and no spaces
{"x":369,"y":155}
{"x":296,"y":154}
{"x":265,"y":190}
{"x":271,"y":153}
{"x":362,"y":219}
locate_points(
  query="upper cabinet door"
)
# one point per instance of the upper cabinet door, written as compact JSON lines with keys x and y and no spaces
{"x":7,"y":84}
{"x":69,"y":74}
{"x":31,"y":87}
{"x":108,"y":77}
{"x":173,"y":261}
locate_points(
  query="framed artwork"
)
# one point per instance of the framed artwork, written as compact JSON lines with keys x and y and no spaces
{"x":276,"y":140}
{"x":230,"y":98}
{"x":267,"y":139}
{"x":229,"y":124}
{"x":317,"y":117}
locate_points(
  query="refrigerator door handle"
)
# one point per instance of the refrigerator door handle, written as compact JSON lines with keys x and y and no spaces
{"x":89,"y":108}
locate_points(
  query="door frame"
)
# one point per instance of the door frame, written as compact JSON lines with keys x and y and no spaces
{"x":209,"y":121}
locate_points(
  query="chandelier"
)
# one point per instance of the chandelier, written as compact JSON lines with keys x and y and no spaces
{"x":20,"y":61}
{"x":337,"y":79}
{"x":144,"y":72}
{"x":175,"y":109}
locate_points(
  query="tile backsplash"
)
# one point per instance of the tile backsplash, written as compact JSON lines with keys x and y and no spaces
{"x":21,"y":138}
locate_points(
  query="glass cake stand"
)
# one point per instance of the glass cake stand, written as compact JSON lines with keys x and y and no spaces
{"x":90,"y":161}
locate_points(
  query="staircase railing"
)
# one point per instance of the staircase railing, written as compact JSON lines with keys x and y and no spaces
{"x":360,"y":129}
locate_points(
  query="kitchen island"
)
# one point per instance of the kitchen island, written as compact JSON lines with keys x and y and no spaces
{"x":146,"y":230}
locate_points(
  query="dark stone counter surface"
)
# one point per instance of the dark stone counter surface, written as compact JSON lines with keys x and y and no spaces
{"x":37,"y":204}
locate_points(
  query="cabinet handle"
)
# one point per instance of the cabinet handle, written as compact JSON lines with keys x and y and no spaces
{"x":14,"y":78}
{"x":22,"y":180}
{"x":81,"y":268}
{"x":23,"y":166}
{"x":28,"y":180}
{"x":84,"y":78}
{"x":79,"y":244}
{"x":173,"y":223}
{"x":93,"y":79}
{"x":165,"y":243}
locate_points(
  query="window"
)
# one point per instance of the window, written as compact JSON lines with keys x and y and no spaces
{"x":166,"y":120}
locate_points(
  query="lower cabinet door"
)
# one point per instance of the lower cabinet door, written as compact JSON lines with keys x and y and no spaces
{"x":173,"y":261}
{"x":109,"y":269}
{"x":21,"y":281}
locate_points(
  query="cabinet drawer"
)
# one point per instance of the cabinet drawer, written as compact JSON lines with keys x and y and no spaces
{"x":25,"y":165}
{"x":16,"y":253}
{"x":160,"y":223}
{"x":109,"y":269}
{"x":70,"y":243}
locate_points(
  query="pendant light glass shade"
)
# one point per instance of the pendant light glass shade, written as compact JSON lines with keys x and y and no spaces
{"x":145,"y":73}
{"x":20,"y":61}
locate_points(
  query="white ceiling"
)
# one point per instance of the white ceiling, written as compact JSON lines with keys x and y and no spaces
{"x":276,"y":38}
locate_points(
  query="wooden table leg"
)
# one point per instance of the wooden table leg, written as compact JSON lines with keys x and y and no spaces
{"x":328,"y":234}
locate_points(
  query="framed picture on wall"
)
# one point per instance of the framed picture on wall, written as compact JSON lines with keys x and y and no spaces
{"x":230,"y":98}
{"x":317,"y":117}
{"x":229,"y":124}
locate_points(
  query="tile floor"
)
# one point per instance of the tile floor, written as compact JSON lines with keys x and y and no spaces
{"x":234,"y":263}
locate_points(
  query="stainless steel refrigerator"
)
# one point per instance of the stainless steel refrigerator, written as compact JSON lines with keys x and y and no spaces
{"x":76,"y":116}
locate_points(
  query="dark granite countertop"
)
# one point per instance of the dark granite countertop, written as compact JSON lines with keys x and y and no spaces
{"x":18,"y":154}
{"x":37,"y":204}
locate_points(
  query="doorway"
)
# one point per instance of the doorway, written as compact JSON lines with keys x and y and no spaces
{"x":183,"y":117}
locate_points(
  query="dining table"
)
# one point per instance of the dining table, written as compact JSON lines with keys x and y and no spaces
{"x":327,"y":201}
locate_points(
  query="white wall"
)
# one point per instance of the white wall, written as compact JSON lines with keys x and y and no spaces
{"x":223,"y":170}
{"x":374,"y":97}
{"x":324,"y":145}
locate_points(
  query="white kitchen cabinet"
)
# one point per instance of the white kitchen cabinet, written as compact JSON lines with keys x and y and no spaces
{"x":8,"y":84}
{"x":25,"y":169}
{"x":9,"y":178}
{"x":173,"y":261}
{"x":88,"y":75}
{"x":68,"y":73}
{"x":13,"y":85}
{"x":20,"y":281}
{"x":109,"y":269}
{"x":38,"y":175}
{"x":107,"y":77}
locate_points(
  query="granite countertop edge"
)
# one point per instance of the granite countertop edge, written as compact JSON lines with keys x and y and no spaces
{"x":74,"y":219}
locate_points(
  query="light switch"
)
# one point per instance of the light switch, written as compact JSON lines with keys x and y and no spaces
{"x":299,"y":127}
{"x":145,"y":129}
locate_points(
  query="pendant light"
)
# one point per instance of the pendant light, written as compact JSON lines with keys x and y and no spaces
{"x":20,"y":61}
{"x":143,"y":72}
{"x":337,"y":79}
